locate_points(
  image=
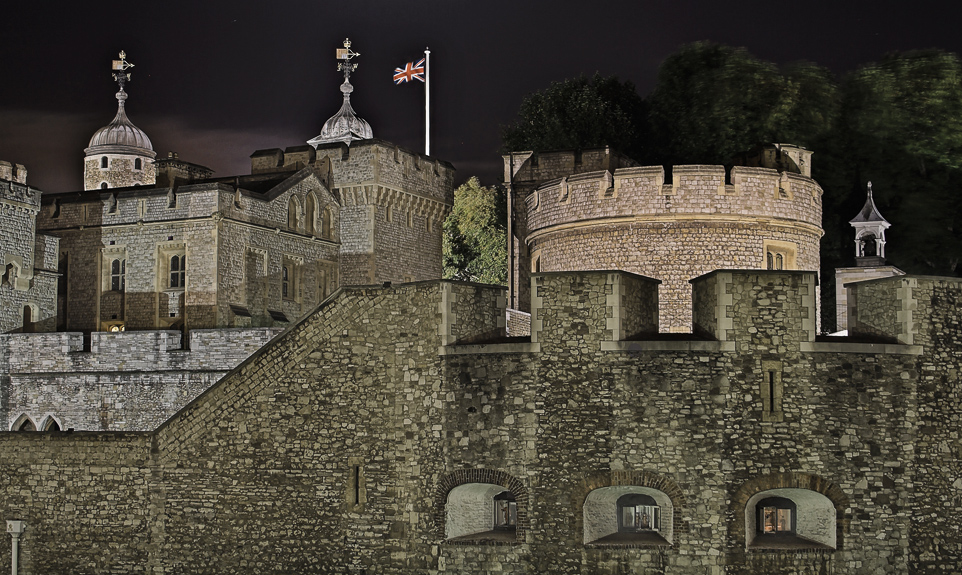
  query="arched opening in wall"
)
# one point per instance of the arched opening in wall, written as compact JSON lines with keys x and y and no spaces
{"x":868,"y":246}
{"x":118,"y":275}
{"x":103,"y":185}
{"x":481,"y":512}
{"x":103,"y":162}
{"x":326,"y":219}
{"x":790,"y":518}
{"x":50,"y":424}
{"x":628,"y":515}
{"x":23,"y":423}
{"x":292,"y":213}
{"x":137,"y":164}
{"x":310,"y":214}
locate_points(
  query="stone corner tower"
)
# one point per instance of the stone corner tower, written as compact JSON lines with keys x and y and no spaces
{"x":119,"y":154}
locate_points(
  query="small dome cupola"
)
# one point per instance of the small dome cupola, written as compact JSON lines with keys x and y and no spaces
{"x":119,"y":154}
{"x":870,"y":229}
{"x":344,"y":126}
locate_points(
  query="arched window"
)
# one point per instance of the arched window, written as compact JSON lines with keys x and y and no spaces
{"x":118,"y":273}
{"x":286,"y":282}
{"x":638,"y":513}
{"x":326,"y":223}
{"x":178,"y":271}
{"x":292,"y":215}
{"x":771,"y":260}
{"x":628,"y":515}
{"x":868,"y":246}
{"x":775,"y":515}
{"x":24,"y":423}
{"x":137,"y":164}
{"x":310,"y":214}
{"x":103,"y":185}
{"x":50,"y":424}
{"x":779,"y":261}
{"x":103,"y":162}
{"x":790,"y":518}
{"x":481,"y":511}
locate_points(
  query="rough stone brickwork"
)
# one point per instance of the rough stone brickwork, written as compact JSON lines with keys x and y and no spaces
{"x":120,"y":171}
{"x":631,"y":219}
{"x":28,"y":281}
{"x":338,"y":446}
{"x":118,"y":381}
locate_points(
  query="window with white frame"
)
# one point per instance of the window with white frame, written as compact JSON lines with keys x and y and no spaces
{"x":790,"y":518}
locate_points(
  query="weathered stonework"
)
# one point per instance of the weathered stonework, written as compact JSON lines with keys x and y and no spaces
{"x":337,"y":447}
{"x":631,"y":218}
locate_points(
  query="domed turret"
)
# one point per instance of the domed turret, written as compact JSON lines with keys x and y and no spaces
{"x":345,"y":125}
{"x":119,"y":154}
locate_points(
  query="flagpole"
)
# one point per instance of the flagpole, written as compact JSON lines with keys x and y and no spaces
{"x":427,"y":102}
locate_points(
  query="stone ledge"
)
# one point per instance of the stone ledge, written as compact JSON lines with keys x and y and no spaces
{"x":654,"y":345}
{"x":844,"y":347}
{"x":490,"y":348}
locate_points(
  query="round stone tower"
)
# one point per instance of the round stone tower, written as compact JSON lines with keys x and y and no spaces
{"x":120,"y":153}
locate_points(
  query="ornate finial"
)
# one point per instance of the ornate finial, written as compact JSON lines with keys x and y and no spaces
{"x":345,"y":54}
{"x":870,"y":189}
{"x":120,"y":67}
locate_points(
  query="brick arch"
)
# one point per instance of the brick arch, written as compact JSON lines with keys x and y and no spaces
{"x":491,"y":476}
{"x":640,"y":478}
{"x":794,"y":480}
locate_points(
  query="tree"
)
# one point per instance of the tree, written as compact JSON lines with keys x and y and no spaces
{"x":475,"y":241}
{"x":712,"y":102}
{"x":579,"y":113}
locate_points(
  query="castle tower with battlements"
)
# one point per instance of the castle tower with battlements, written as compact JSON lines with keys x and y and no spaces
{"x":597,"y":210}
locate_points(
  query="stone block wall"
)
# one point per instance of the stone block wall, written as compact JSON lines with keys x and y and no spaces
{"x":336,"y":447}
{"x":632,"y":220}
{"x":123,"y":381}
{"x":120,"y":171}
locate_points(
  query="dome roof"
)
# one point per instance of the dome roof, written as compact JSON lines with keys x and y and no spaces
{"x":120,"y":136}
{"x":345,"y":125}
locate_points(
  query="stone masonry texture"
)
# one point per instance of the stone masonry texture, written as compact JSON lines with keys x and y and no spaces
{"x":338,"y":446}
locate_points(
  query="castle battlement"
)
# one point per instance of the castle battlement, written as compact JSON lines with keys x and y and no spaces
{"x":694,"y":192}
{"x":13,"y":172}
{"x":521,"y":167}
{"x":365,"y":163}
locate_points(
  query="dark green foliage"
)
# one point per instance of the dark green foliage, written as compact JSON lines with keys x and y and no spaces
{"x":713,"y":102}
{"x":579,"y":113}
{"x":475,"y":240}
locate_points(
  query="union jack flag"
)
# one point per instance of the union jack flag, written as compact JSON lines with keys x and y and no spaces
{"x":410,"y":71}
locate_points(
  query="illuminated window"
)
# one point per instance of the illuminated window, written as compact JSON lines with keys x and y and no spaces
{"x":776,"y":515}
{"x":118,"y":272}
{"x":178,"y":271}
{"x":637,"y":512}
{"x":505,"y":511}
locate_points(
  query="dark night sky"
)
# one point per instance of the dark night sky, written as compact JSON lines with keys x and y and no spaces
{"x":216,"y":80}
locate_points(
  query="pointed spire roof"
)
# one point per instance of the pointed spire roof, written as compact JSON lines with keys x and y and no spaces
{"x":869,"y":213}
{"x":344,"y":126}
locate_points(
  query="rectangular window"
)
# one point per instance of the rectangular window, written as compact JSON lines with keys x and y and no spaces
{"x":178,"y":271}
{"x":356,"y":490}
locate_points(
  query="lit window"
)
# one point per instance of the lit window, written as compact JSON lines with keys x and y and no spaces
{"x":178,"y":271}
{"x":505,"y":511}
{"x":637,"y":513}
{"x":776,"y":515}
{"x":118,"y":272}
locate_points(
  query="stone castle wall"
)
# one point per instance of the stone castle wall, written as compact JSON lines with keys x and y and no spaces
{"x":338,"y":446}
{"x":116,"y":381}
{"x":28,"y":260}
{"x":633,"y":220}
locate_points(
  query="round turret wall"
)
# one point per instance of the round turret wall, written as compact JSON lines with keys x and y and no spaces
{"x":121,"y":171}
{"x":632,"y":220}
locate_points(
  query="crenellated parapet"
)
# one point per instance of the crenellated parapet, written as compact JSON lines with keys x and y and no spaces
{"x":693,"y":193}
{"x":674,"y":227}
